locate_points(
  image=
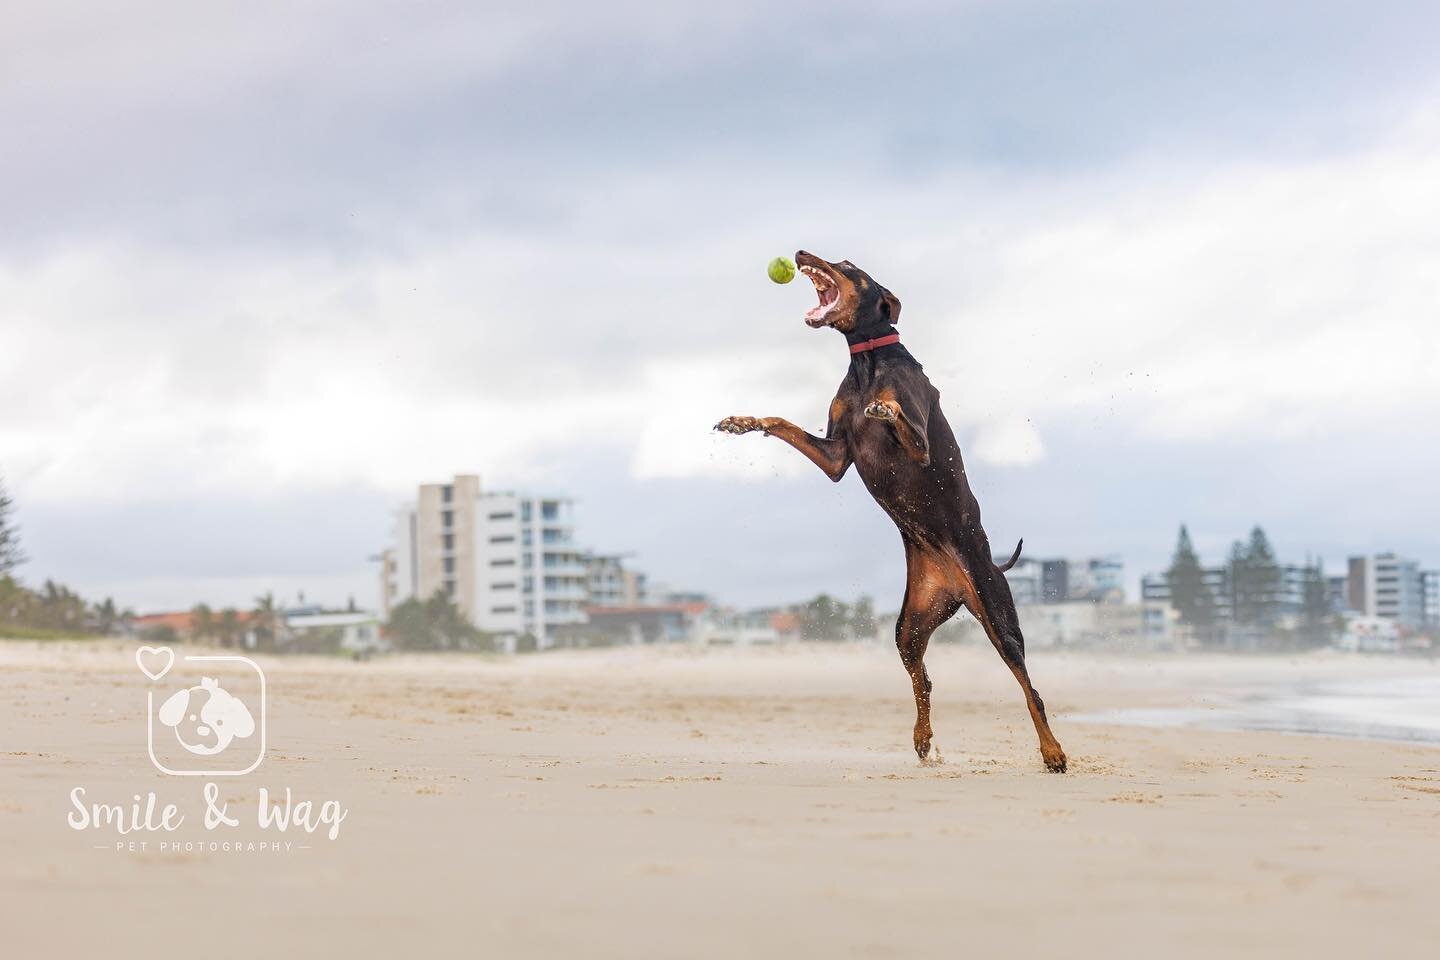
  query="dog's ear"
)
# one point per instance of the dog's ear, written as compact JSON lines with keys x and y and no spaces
{"x":238,"y":719}
{"x":889,"y":306}
{"x":172,"y":711}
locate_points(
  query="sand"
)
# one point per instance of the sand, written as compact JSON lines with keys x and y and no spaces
{"x":722,"y":803}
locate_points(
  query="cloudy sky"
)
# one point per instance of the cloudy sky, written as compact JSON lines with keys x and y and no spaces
{"x":266,"y":266}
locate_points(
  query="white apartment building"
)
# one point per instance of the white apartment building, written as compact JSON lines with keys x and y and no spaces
{"x":1432,"y":598}
{"x":508,"y":561}
{"x":1086,"y":579}
{"x":1387,"y":586}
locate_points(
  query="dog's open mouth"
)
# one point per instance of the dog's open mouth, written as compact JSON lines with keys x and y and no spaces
{"x":828,"y":292}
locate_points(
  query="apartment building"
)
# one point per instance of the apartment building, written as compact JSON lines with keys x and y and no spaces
{"x":1388,"y":586}
{"x":509,"y":561}
{"x":612,"y":584}
{"x":1091,"y":579}
{"x":1431,"y":580}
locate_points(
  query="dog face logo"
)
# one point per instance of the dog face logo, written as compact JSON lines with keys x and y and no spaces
{"x":214,"y":729}
{"x":206,"y":718}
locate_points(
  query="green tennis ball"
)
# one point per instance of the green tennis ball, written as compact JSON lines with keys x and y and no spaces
{"x":782,"y":270}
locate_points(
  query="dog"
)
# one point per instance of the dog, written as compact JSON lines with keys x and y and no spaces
{"x":886,"y":420}
{"x":206,"y":718}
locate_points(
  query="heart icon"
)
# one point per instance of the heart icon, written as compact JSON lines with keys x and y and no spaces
{"x":155,"y":662}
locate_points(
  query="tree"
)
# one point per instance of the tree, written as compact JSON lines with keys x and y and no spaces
{"x":1316,"y":619}
{"x":433,"y":624}
{"x":266,"y":620}
{"x":59,"y":608}
{"x":1190,"y":595}
{"x":228,"y":629}
{"x":1255,"y":581}
{"x":824,"y":618}
{"x":862,"y":619}
{"x":10,"y":554}
{"x":202,"y":622}
{"x":105,"y":617}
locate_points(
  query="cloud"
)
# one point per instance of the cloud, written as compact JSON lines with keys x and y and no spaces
{"x":1255,"y":299}
{"x":1008,"y":443}
{"x":256,"y":251}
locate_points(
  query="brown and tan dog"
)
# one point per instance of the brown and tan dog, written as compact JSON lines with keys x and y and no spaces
{"x":886,"y":419}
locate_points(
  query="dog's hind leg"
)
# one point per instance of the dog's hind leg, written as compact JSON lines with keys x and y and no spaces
{"x":929,"y":601}
{"x":995,"y":609}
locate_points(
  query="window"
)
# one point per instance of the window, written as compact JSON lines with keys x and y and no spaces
{"x":502,"y":609}
{"x":447,"y":517}
{"x":525,"y":512}
{"x":503,"y":562}
{"x":550,"y":510}
{"x":507,"y":515}
{"x":449,"y":564}
{"x":503,"y":539}
{"x":449,"y":540}
{"x":502,"y":586}
{"x":447,"y":493}
{"x":449,"y":588}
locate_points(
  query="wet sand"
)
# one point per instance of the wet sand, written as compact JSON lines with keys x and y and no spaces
{"x":680,"y":803}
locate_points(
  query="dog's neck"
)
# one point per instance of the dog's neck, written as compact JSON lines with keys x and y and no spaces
{"x":862,"y":365}
{"x":870,"y":332}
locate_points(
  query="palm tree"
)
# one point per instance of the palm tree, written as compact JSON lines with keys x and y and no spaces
{"x":266,"y":620}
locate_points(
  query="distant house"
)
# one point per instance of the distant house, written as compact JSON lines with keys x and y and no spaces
{"x":1370,"y":634}
{"x":349,"y":632}
{"x":182,"y":624}
{"x":636,"y":624}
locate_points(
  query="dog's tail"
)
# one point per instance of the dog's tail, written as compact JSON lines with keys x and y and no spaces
{"x":1013,"y":557}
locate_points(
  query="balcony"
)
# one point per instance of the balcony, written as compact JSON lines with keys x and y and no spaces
{"x":571,"y":569}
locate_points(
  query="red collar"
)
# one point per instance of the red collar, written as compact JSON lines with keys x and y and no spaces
{"x":874,"y":344}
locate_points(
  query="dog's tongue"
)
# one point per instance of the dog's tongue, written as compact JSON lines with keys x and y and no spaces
{"x":828,"y":298}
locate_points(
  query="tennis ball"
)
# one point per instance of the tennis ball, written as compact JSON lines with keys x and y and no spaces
{"x":782,"y":270}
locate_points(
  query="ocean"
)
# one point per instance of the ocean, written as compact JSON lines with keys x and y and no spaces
{"x":1403,"y":709}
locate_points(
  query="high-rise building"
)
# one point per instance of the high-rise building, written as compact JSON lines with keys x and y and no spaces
{"x":1388,"y":586}
{"x":1091,"y":579}
{"x":1431,"y":580}
{"x":509,"y":561}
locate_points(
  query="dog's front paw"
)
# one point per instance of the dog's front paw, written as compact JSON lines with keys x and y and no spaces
{"x":882,"y":410}
{"x":738,"y":425}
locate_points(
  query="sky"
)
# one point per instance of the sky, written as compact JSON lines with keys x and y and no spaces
{"x":265,"y":267}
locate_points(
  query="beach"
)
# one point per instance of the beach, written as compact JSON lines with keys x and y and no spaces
{"x":679,"y":802}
